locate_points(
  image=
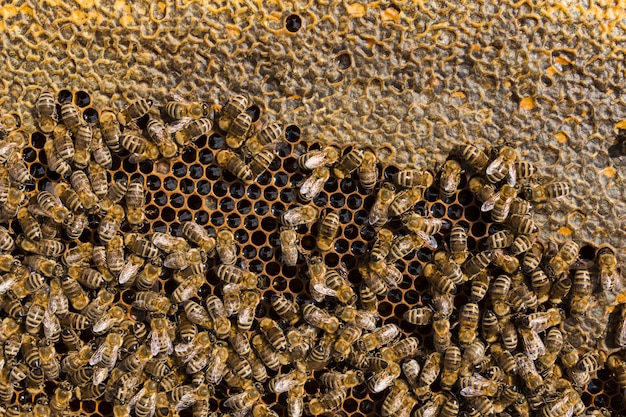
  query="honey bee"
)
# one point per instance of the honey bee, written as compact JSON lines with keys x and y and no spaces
{"x":268,"y":135}
{"x":191,"y":131}
{"x":430,"y":372}
{"x":81,"y":185}
{"x":98,"y":179}
{"x":110,"y":130}
{"x":349,"y":163}
{"x":503,"y":166}
{"x":235,"y":105}
{"x":438,"y":280}
{"x":412,"y":178}
{"x":231,"y":274}
{"x":368,"y":171}
{"x":226,"y":247}
{"x":509,"y":263}
{"x":319,"y":318}
{"x":522,"y":224}
{"x":477,"y":159}
{"x":380,"y":276}
{"x":229,"y":160}
{"x":313,"y":184}
{"x":618,"y":366}
{"x":327,"y":402}
{"x":61,"y":399}
{"x":522,"y":244}
{"x":319,"y":158}
{"x":265,"y":351}
{"x":180,"y":109}
{"x":379,"y":337}
{"x":477,"y":386}
{"x":244,"y":400}
{"x":404,"y":201}
{"x":450,"y":177}
{"x":285,"y":308}
{"x":198,"y":235}
{"x":327,"y":231}
{"x":139,"y":146}
{"x":418,"y":224}
{"x":17,"y":168}
{"x":606,"y":261}
{"x":500,"y":203}
{"x":295,"y":378}
{"x":345,"y":339}
{"x":105,"y":356}
{"x":232,"y":299}
{"x":134,"y":204}
{"x":261,"y":161}
{"x":485,"y":192}
{"x":468,"y":324}
{"x":379,"y":212}
{"x":196,"y":314}
{"x":70,"y":116}
{"x":472,"y":356}
{"x":45,"y":247}
{"x":299,"y":215}
{"x":249,"y":301}
{"x":401,"y":350}
{"x":564,"y":258}
{"x":240,"y":129}
{"x":458,"y":244}
{"x":114,"y":316}
{"x":63,"y":145}
{"x":527,"y":371}
{"x":100,"y":152}
{"x":160,"y":341}
{"x":547,"y":192}
{"x":46,"y":111}
{"x":451,"y":367}
{"x":30,"y":226}
{"x":83,"y":138}
{"x":394,"y":398}
{"x":158,"y":133}
{"x":442,"y":337}
{"x":420,"y":316}
{"x":289,"y":246}
{"x":295,"y":403}
{"x":134,"y":111}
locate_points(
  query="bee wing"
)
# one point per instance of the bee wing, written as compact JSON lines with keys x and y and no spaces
{"x":511,"y":175}
{"x":471,"y":392}
{"x":99,"y":375}
{"x":429,"y":240}
{"x":490,"y":203}
{"x":607,"y":280}
{"x":495,"y":165}
{"x":177,"y":97}
{"x":7,"y":283}
{"x":178,"y":125}
{"x":103,"y":323}
{"x":51,"y":324}
{"x":186,"y":401}
{"x":97,"y":355}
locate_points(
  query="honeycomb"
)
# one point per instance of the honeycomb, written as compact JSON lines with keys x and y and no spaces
{"x":478,"y":87}
{"x":193,"y":187}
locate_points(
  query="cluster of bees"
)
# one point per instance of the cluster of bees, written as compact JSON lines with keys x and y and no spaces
{"x":495,"y":309}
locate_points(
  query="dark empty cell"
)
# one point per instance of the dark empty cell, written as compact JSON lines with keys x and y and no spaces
{"x":601,"y":401}
{"x":472,"y":213}
{"x":368,"y":233}
{"x":258,"y":238}
{"x":296,"y":285}
{"x":241,"y":236}
{"x":341,"y":245}
{"x":90,"y":115}
{"x":354,"y":201}
{"x":485,"y":216}
{"x":254,"y":191}
{"x":189,"y":154}
{"x":385,"y":309}
{"x":431,"y":194}
{"x":278,"y":209}
{"x":128,"y":166}
{"x":184,"y":216}
{"x":201,"y":217}
{"x":351,"y":231}
{"x":447,"y":199}
{"x":424,"y":255}
{"x":264,"y":179}
{"x":283,"y":149}
{"x":438,"y":210}
{"x":308,"y":242}
{"x":244,"y":207}
{"x":160,"y":198}
{"x":233,"y":221}
{"x":266,"y":253}
{"x":478,"y":229}
{"x":216,"y":141}
{"x":168,"y":214}
{"x":320,"y":200}
{"x":471,"y":244}
{"x":177,"y":200}
{"x":287,"y":195}
{"x":279,"y":283}
{"x":220,"y":188}
{"x":82,"y":99}
{"x":280,"y":179}
{"x":37,"y":170}
{"x":254,"y":112}
{"x":261,"y":208}
{"x":187,"y":186}
{"x":331,"y":185}
{"x":152,"y":212}
{"x":343,"y":61}
{"x":465,"y":197}
{"x":421,"y":208}
{"x":194,"y":202}
{"x":358,"y":248}
{"x":217,"y":219}
{"x":296,"y":179}
{"x":272,"y":268}
{"x":337,"y":200}
{"x":196,"y":171}
{"x":411,"y":297}
{"x":274,"y":239}
{"x":237,"y":190}
{"x":170,"y":183}
{"x":395,"y":295}
{"x":65,"y":96}
{"x":268,"y":224}
{"x":350,"y":405}
{"x":390,"y":173}
{"x":290,"y":164}
{"x":179,"y":169}
{"x":345,"y":216}
{"x":251,"y":222}
{"x":293,"y":23}
{"x":205,"y":156}
{"x":292,"y":133}
{"x":153,"y":182}
{"x":29,"y":154}
{"x":331,"y":260}
{"x":594,"y":386}
{"x":455,"y":212}
{"x":587,"y":252}
{"x":360,"y":217}
{"x":495,"y":228}
{"x":249,"y":252}
{"x":38,"y":140}
{"x":347,"y":185}
{"x":203,"y":187}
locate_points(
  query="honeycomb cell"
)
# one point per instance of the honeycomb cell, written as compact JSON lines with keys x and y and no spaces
{"x":90,"y":115}
{"x":268,"y":224}
{"x":168,"y":214}
{"x":292,"y":133}
{"x":177,"y":200}
{"x":82,"y":99}
{"x":65,"y":96}
{"x":203,"y":187}
{"x":216,"y":142}
{"x":438,"y":210}
{"x":170,"y":183}
{"x":38,"y":140}
{"x":179,"y":169}
{"x":261,"y":208}
{"x":233,"y":221}
{"x":189,"y":154}
{"x":220,"y":188}
{"x":205,"y":157}
{"x":244,"y":207}
{"x":354,"y":201}
{"x":478,"y":230}
{"x":201,"y":217}
{"x":196,"y":171}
